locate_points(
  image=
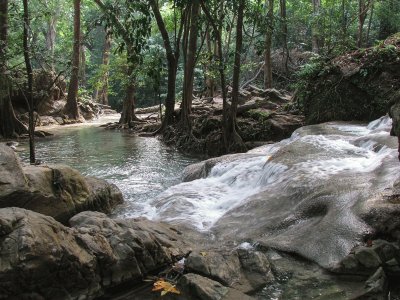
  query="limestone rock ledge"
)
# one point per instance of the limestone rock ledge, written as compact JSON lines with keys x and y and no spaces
{"x":54,"y":190}
{"x":43,"y":259}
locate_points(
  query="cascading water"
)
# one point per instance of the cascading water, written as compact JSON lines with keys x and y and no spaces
{"x":307,"y":194}
{"x":313,"y":194}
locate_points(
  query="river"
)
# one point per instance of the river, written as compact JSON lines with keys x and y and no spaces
{"x":317,"y":194}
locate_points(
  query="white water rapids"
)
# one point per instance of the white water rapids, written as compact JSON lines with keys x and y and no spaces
{"x":334,"y":149}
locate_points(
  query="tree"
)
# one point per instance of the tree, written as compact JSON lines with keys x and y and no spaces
{"x":284,"y":29}
{"x":190,"y":63}
{"x":71,"y":108}
{"x":363,"y":8}
{"x":234,"y":141}
{"x":316,"y":42}
{"x":217,"y":28}
{"x":101,"y":93}
{"x":172,"y":54}
{"x":268,"y":45}
{"x":10,"y":126}
{"x":29,"y":72}
{"x":133,"y":30}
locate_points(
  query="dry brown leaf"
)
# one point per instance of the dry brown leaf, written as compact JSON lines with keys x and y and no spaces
{"x":165,"y":287}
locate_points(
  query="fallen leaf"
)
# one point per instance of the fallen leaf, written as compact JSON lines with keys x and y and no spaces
{"x":203,"y":253}
{"x":165,"y":287}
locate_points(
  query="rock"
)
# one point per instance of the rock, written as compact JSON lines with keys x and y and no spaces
{"x":47,"y":120}
{"x":54,"y":190}
{"x":375,"y":287}
{"x":223,"y":268}
{"x":11,"y":174}
{"x":202,"y":169}
{"x":198,"y":287}
{"x":243,"y":269}
{"x":368,"y":257}
{"x":355,"y":86}
{"x":42,"y":259}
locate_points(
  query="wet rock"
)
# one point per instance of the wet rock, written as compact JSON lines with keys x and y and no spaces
{"x":202,"y":169}
{"x":368,"y":257}
{"x":54,"y":190}
{"x":198,"y":287}
{"x":224,"y":268}
{"x":242,"y":269}
{"x":42,"y":259}
{"x":375,"y":287}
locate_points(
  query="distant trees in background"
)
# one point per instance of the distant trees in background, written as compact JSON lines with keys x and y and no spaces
{"x":138,"y":53}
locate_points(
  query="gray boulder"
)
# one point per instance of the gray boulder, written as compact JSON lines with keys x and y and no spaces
{"x":54,"y":190}
{"x":198,"y":287}
{"x":42,"y":259}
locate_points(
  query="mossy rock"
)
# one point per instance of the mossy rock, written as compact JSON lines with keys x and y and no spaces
{"x":356,"y":86}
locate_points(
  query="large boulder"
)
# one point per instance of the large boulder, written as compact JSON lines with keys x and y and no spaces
{"x":355,"y":86}
{"x":54,"y":190}
{"x":42,"y":259}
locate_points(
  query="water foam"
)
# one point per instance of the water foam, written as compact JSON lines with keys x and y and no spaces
{"x":203,"y":202}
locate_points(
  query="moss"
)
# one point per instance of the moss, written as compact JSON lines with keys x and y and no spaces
{"x":258,"y":114}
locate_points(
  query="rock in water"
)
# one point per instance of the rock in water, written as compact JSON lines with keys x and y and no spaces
{"x":54,"y":190}
{"x":42,"y":259}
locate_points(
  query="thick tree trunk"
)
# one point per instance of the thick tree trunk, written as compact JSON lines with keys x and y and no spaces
{"x":71,"y":108}
{"x":190,"y":65}
{"x":268,"y":45}
{"x":316,"y":36}
{"x":102,"y":92}
{"x":234,"y":141}
{"x":28,"y":65}
{"x":10,"y":126}
{"x":128,"y":106}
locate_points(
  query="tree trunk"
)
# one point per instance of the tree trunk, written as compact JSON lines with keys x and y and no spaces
{"x":102,"y":92}
{"x":285,"y":56}
{"x":316,"y":36}
{"x":190,"y":65}
{"x":268,"y":44}
{"x":71,"y":108}
{"x":363,"y":7}
{"x":369,"y":24}
{"x":172,"y":59}
{"x":209,"y":80}
{"x":28,"y":65}
{"x":10,"y":126}
{"x":128,"y":106}
{"x":234,"y":141}
{"x":221,"y":65}
{"x":82,"y":63}
{"x":50,"y":37}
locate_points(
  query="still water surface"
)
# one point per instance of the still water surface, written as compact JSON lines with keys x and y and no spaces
{"x":141,"y":167}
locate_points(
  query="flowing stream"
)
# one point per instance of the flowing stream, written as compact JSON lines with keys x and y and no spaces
{"x":149,"y":173}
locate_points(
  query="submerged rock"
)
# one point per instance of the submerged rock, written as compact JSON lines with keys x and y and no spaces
{"x":54,"y":190}
{"x":42,"y":259}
